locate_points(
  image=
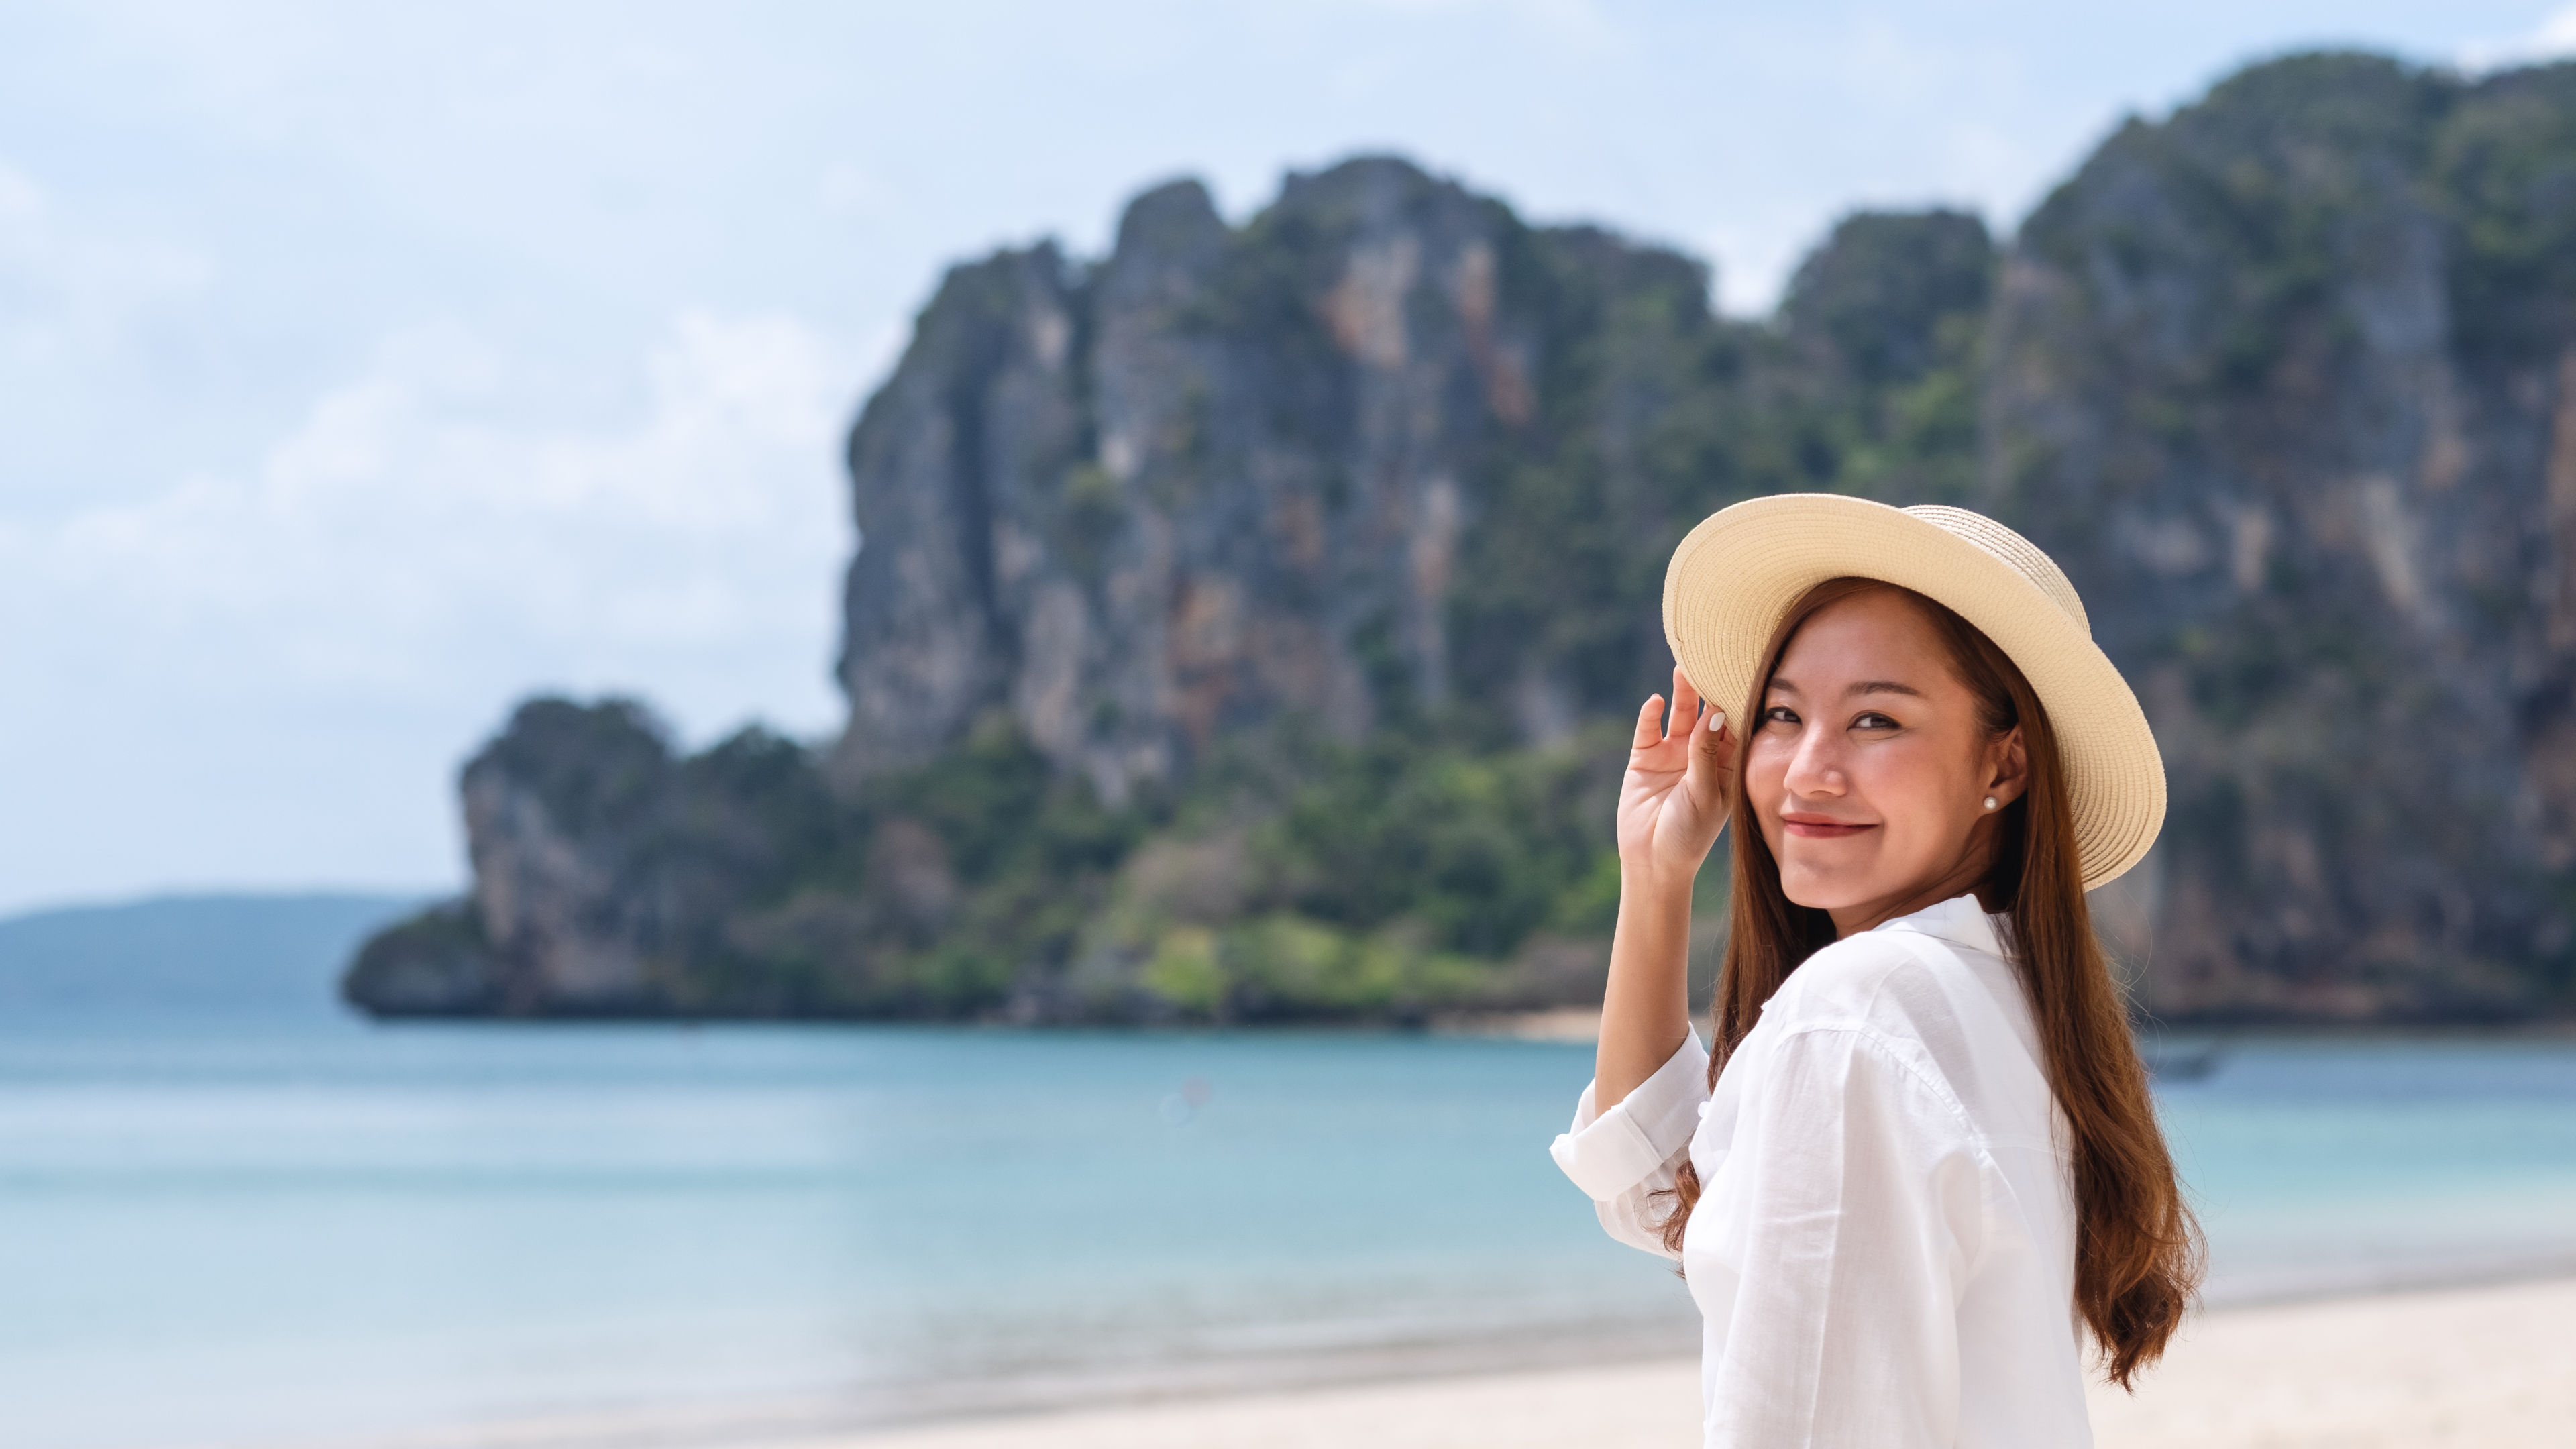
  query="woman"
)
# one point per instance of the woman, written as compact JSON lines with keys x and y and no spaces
{"x":1921,"y":1164}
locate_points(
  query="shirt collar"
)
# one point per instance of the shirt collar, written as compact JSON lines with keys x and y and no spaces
{"x":1958,"y":920}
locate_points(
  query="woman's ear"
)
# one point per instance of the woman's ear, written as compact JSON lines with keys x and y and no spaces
{"x":2007,"y":768}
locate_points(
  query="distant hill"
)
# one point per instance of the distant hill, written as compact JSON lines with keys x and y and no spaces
{"x":191,"y":955}
{"x":1249,"y":620}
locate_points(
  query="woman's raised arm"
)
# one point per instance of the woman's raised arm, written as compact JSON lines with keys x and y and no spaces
{"x":1672,"y":804}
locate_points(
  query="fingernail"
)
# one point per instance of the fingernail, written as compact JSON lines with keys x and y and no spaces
{"x":1716,"y":720}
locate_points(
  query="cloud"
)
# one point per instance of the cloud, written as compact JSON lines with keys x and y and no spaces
{"x":268,"y":677}
{"x":1583,"y":21}
{"x":70,"y":293}
{"x":416,"y":536}
{"x":2554,"y":38}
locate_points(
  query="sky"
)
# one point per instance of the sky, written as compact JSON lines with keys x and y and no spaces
{"x":367,"y":368}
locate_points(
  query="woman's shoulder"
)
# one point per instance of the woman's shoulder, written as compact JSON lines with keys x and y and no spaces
{"x":1891,"y":996}
{"x":1883,"y":979}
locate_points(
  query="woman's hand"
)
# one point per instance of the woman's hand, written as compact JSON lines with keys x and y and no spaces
{"x":1678,"y":790}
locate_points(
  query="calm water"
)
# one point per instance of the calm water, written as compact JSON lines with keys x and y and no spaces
{"x":332,"y":1230}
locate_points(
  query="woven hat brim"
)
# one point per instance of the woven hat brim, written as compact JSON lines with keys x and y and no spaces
{"x":1737,"y":573}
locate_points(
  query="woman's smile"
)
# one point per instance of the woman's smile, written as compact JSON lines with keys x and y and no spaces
{"x":1810,"y":826}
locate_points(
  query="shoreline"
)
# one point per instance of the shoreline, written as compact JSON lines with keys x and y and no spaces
{"x":1581,"y":1025}
{"x":2431,"y":1369}
{"x":1567,"y":1023}
{"x":2447,"y":1332}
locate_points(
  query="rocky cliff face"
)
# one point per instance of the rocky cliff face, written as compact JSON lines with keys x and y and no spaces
{"x":1219,"y":476}
{"x":607,"y":871}
{"x":1237,"y":615}
{"x":2289,"y":382}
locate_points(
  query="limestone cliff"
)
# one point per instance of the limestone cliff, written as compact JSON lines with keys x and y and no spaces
{"x":1219,"y":475}
{"x":1243,"y":619}
{"x":606,"y":871}
{"x":2289,"y":382}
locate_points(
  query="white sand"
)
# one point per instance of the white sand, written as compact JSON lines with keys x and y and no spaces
{"x":2488,"y":1367}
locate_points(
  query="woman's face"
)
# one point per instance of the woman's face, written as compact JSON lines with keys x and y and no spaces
{"x":1869,"y":769}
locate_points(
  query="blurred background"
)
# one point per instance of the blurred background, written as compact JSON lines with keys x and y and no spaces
{"x":761,"y":720}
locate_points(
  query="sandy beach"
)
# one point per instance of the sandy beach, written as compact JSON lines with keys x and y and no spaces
{"x":2493,"y":1367}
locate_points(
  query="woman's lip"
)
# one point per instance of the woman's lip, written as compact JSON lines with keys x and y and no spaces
{"x":1823,"y":829}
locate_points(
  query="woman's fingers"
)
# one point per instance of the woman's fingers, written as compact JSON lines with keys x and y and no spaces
{"x":1711,"y":742}
{"x":1686,"y":709}
{"x":1711,"y":757}
{"x":1650,"y":723}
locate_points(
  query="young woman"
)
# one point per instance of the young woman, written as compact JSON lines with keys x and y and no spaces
{"x":1919,"y":1164}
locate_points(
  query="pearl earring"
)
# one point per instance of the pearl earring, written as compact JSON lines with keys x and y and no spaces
{"x":1990,"y":802}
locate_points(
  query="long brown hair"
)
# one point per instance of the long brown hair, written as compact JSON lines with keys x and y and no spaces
{"x":2138,"y":1251}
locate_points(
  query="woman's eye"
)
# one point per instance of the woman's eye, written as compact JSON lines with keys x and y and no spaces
{"x":1873,"y":721}
{"x":1780,"y":714}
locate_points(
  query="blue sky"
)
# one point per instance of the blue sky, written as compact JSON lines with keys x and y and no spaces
{"x":364,"y":368}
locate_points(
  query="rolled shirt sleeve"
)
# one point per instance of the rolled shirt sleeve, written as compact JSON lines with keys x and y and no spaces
{"x":1847,"y":1217}
{"x":1624,"y":1158}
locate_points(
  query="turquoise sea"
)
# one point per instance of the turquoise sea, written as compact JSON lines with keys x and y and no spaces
{"x":323,"y":1231}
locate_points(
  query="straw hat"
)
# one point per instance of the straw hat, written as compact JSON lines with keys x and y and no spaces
{"x":1738,"y":572}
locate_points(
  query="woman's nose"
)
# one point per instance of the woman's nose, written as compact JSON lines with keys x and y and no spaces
{"x":1815,"y":767}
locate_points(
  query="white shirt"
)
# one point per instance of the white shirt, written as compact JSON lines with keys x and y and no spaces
{"x":1884,"y":1247}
